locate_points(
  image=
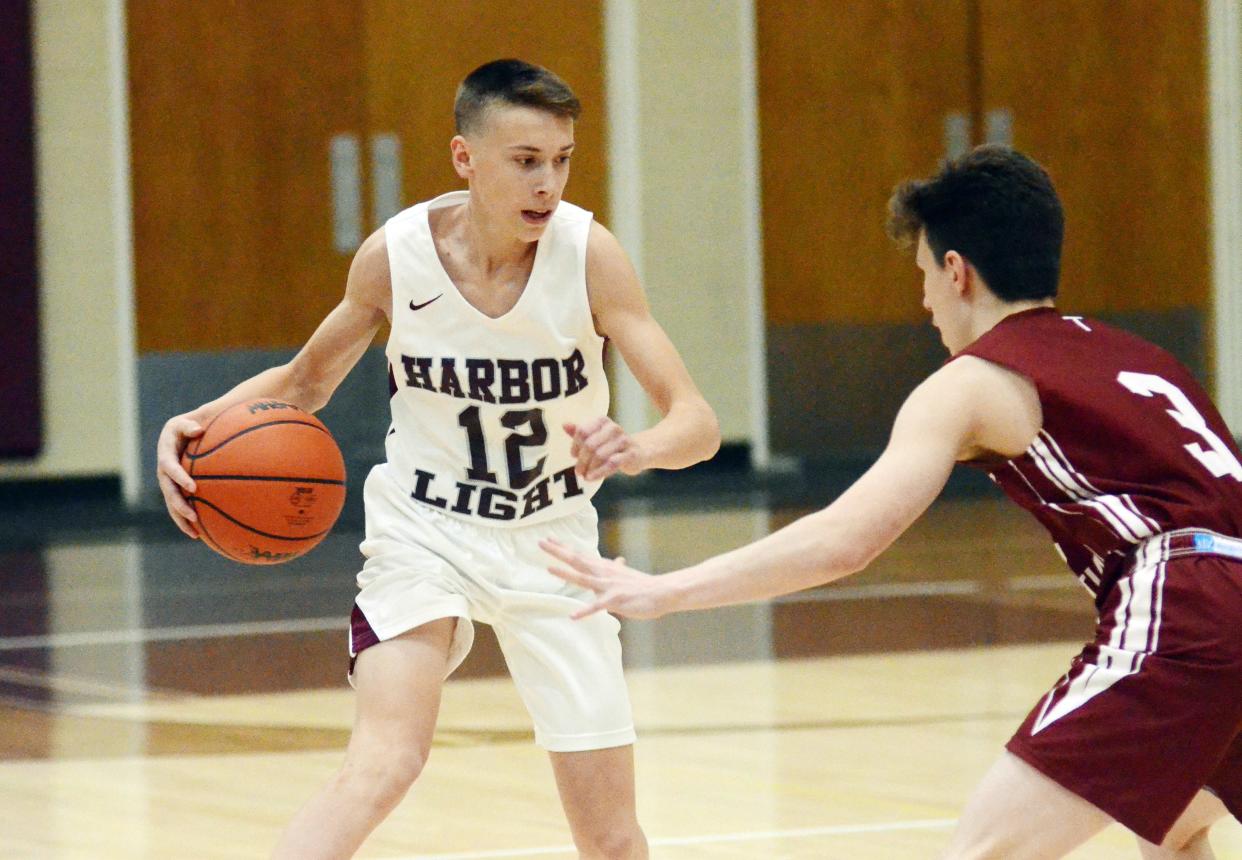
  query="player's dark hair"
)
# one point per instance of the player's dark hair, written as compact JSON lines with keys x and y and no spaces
{"x":511,"y":82}
{"x":998,"y":209}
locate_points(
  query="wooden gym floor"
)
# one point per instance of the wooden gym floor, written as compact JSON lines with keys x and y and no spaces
{"x":156,"y":702}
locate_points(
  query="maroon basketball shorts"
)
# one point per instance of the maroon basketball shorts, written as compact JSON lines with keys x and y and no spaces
{"x":1151,"y":711}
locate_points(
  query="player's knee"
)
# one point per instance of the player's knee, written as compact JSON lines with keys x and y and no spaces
{"x":976,"y":844}
{"x":406,"y":767}
{"x":615,"y":842}
{"x":382,"y":779}
{"x":1179,"y":843}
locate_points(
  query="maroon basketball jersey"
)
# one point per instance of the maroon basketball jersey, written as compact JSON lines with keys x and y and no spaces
{"x":1131,"y":446}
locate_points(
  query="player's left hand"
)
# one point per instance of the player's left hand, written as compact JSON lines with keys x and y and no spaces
{"x":621,"y":590}
{"x":602,"y":448}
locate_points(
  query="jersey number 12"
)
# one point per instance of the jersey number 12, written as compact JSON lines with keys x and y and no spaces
{"x":519,"y":477}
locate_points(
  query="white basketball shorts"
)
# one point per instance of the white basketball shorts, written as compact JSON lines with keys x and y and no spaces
{"x":422,"y":565}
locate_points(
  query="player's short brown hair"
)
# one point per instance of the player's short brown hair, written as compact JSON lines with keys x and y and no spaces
{"x":511,"y":82}
{"x":998,"y":209}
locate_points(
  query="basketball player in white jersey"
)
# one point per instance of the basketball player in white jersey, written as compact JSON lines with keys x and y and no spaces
{"x":499,"y":298}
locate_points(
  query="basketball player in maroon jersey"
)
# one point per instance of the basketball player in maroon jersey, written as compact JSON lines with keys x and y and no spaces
{"x":1110,"y":443}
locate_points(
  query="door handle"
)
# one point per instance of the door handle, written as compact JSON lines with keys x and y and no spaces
{"x":956,"y":135}
{"x":998,"y":127}
{"x":386,"y":177}
{"x":345,"y":163}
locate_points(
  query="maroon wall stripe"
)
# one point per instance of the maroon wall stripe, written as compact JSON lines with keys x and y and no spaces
{"x":21,"y":425}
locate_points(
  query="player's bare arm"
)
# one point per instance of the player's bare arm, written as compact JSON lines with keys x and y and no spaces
{"x":307,"y":380}
{"x":688,"y":431}
{"x":967,"y":409}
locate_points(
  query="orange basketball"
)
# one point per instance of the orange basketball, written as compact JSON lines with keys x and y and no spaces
{"x":270,"y":481}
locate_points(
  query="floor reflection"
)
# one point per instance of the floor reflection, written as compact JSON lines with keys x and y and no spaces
{"x":136,"y":620}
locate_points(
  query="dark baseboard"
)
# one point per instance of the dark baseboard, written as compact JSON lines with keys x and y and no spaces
{"x":34,"y":512}
{"x":732,"y":457}
{"x":38,"y":492}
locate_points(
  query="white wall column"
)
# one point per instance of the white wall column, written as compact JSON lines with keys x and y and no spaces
{"x":684,"y":174}
{"x":131,"y":458}
{"x":1225,"y":116}
{"x":625,"y":177}
{"x":85,"y":280}
{"x":752,"y":247}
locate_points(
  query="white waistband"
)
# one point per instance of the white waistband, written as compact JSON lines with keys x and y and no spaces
{"x":1192,"y":542}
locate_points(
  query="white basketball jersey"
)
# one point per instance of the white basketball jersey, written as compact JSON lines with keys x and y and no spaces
{"x":478,"y":404}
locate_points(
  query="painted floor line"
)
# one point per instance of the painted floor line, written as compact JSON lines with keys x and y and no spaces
{"x":881,"y":590}
{"x":710,"y":838}
{"x":166,"y":634}
{"x":315,"y":625}
{"x":872,"y":591}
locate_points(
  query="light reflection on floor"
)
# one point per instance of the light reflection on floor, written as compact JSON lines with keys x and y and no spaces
{"x":132,"y":619}
{"x":129,"y":619}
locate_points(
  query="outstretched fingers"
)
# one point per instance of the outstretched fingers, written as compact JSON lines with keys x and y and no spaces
{"x":587,"y":611}
{"x":579,"y":570}
{"x":618,"y":589}
{"x":576,"y":568}
{"x":574,"y":577}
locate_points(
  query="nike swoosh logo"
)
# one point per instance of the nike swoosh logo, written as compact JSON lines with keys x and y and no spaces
{"x":415,"y":307}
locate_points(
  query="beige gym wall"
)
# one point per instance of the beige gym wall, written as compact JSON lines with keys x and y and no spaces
{"x":697,"y":285}
{"x":694,"y":209}
{"x":86,"y":356}
{"x":691,"y":187}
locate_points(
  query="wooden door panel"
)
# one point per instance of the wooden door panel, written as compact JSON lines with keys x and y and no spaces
{"x":1110,"y":96}
{"x":233,"y":106}
{"x":852,"y":100}
{"x":417,"y":54}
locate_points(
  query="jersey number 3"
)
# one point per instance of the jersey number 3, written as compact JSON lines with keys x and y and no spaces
{"x":1217,"y":458}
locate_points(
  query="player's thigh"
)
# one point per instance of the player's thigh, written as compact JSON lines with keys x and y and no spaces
{"x":1017,"y":813}
{"x":596,"y":788}
{"x":569,"y":674}
{"x":1188,"y":837}
{"x":398,"y":684}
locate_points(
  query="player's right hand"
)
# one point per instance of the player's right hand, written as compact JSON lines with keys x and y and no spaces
{"x":175,"y":481}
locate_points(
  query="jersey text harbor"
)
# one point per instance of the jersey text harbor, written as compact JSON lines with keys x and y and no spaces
{"x":504,"y":381}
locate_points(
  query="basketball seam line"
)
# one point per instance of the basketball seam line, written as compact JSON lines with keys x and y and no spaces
{"x":238,"y":522}
{"x":198,"y":522}
{"x":292,"y":480}
{"x":224,"y":442}
{"x":204,"y":532}
{"x":207,"y":429}
{"x":212,"y":542}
